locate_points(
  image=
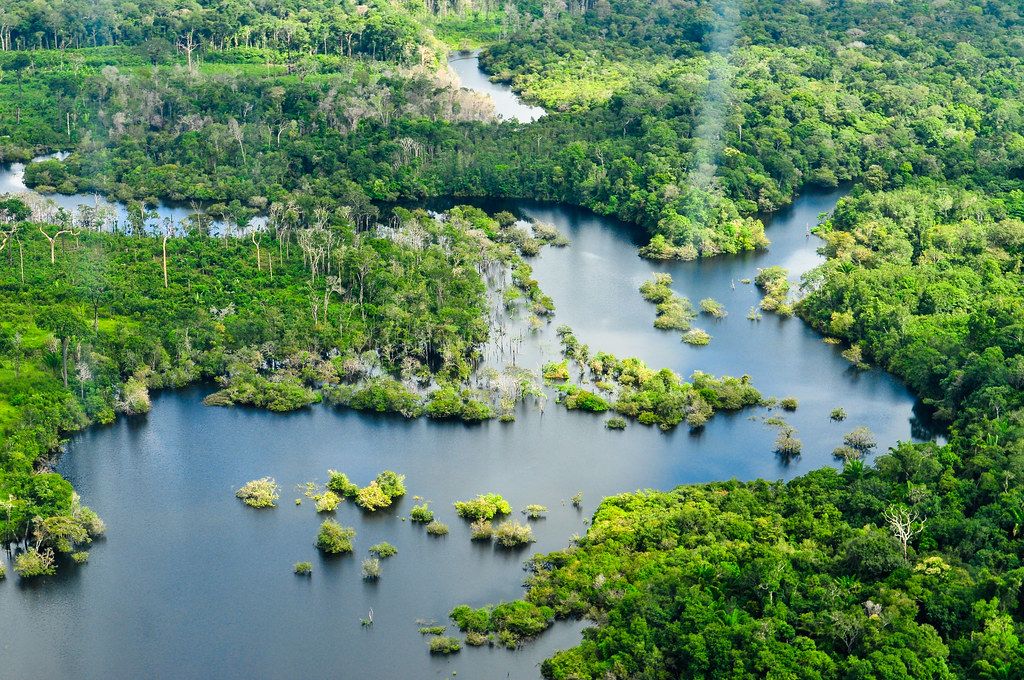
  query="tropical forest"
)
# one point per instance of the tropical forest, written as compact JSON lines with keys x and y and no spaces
{"x":563,"y":339}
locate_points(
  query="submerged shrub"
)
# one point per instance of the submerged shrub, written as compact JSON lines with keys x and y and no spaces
{"x":433,"y":630}
{"x":327,"y":501}
{"x":436,"y":528}
{"x":371,"y":569}
{"x":421,"y":513}
{"x":511,"y":621}
{"x":372,"y":497}
{"x":444,"y":645}
{"x":534,"y":511}
{"x":484,"y":506}
{"x":334,"y":538}
{"x":259,"y":493}
{"x":713,"y":307}
{"x":787,"y":445}
{"x":391,"y":483}
{"x":577,"y":499}
{"x":838,"y":414}
{"x":512,"y":534}
{"x":577,"y":398}
{"x":481,"y":530}
{"x":339,"y":483}
{"x":789,"y":403}
{"x":696,"y":336}
{"x":303,"y":568}
{"x":34,"y":562}
{"x":80,"y":557}
{"x":862,"y":439}
{"x":615,"y":423}
{"x":383,"y":550}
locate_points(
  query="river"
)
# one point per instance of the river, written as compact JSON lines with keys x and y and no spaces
{"x":189,"y":583}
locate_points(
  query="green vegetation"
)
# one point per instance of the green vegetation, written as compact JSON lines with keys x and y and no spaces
{"x":260,"y":493}
{"x":328,"y":501}
{"x":437,"y":528}
{"x":789,"y":403}
{"x":334,"y":539}
{"x":444,"y":645}
{"x":303,"y":568}
{"x":481,"y":530}
{"x":837,"y":414}
{"x":371,"y":569}
{"x":652,"y":397}
{"x":484,"y":506}
{"x":615,"y":423}
{"x":696,"y":336}
{"x":383,"y":550}
{"x":421,"y":513}
{"x":512,"y":622}
{"x":34,"y":562}
{"x":433,"y":630}
{"x":534,"y":511}
{"x":512,"y":534}
{"x":713,"y":307}
{"x":774,"y":283}
{"x":674,"y":311}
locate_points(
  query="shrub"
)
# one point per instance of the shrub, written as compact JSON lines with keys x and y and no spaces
{"x":433,"y":630}
{"x":444,"y":645}
{"x":615,"y":423}
{"x":391,"y":483}
{"x":577,"y":499}
{"x":511,"y":621}
{"x":303,"y":568}
{"x":372,"y":497}
{"x":436,"y":528}
{"x":421,"y":513}
{"x":846,"y":453}
{"x":556,"y":370}
{"x":334,"y":538}
{"x":3,"y":571}
{"x":33,"y":563}
{"x":383,"y":550}
{"x":713,"y":307}
{"x":696,"y":336}
{"x":512,"y":534}
{"x":327,"y":501}
{"x":838,"y":414}
{"x":371,"y":569}
{"x":855,"y":356}
{"x":534,"y":511}
{"x":862,"y":439}
{"x":485,"y":506}
{"x":259,"y":493}
{"x":577,"y":398}
{"x":788,"y":445}
{"x":789,"y":403}
{"x":80,"y":557}
{"x":476,"y":639}
{"x":481,"y":530}
{"x":339,"y":483}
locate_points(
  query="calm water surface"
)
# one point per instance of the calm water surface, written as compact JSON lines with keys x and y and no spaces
{"x":466,"y":66}
{"x":190,"y":583}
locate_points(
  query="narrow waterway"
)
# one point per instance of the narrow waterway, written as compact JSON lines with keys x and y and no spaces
{"x":190,"y":583}
{"x":466,"y":65}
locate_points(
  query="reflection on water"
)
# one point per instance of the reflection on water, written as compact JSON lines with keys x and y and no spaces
{"x":507,"y":104}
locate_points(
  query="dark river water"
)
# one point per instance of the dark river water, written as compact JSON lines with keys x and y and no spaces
{"x":189,"y":583}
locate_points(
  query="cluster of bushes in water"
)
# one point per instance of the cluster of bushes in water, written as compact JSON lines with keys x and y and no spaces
{"x":632,"y":389}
